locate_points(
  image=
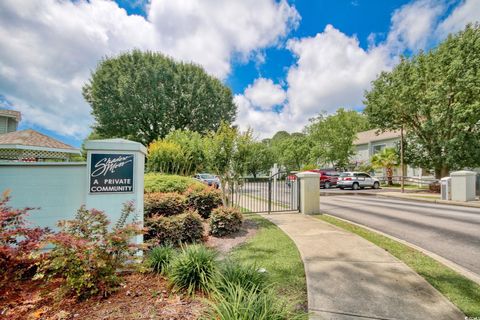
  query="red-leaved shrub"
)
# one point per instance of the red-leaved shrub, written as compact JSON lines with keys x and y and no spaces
{"x":17,"y":242}
{"x":87,"y":254}
{"x":204,"y":201}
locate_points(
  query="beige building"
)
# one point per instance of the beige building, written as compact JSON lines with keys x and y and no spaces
{"x":29,"y":145}
{"x":371,"y":142}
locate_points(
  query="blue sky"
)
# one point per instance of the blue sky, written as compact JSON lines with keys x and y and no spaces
{"x":285,"y":61}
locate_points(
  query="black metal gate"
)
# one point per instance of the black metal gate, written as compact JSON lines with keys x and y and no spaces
{"x":280,"y":192}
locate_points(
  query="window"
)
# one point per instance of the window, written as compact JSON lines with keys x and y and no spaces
{"x":378,"y":148}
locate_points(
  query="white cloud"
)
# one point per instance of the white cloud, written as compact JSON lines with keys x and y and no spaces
{"x":48,"y":48}
{"x":413,"y":24}
{"x":264,"y":123}
{"x":332,"y":71}
{"x":263,"y":93}
{"x":467,"y":12}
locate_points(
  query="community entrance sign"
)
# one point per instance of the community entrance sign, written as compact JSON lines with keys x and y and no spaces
{"x":111,"y":173}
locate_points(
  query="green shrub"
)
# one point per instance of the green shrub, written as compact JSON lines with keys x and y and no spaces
{"x":194,"y":269}
{"x":156,"y":182}
{"x":159,"y":258}
{"x":174,"y":230}
{"x":165,"y":204}
{"x":246,"y":276}
{"x":204,"y":201}
{"x":225,"y":221}
{"x":86,"y":253}
{"x":237,"y":303}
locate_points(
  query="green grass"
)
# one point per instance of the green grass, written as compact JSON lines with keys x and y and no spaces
{"x":462,"y":292}
{"x":273,"y":250}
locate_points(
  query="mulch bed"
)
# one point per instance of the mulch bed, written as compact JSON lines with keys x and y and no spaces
{"x":227,"y":243}
{"x":141,"y":296}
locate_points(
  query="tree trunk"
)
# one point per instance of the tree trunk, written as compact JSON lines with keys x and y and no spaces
{"x":444,"y":171}
{"x":390,"y":176}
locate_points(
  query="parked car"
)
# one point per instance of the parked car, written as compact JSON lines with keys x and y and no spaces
{"x":328,"y":178}
{"x":357,"y":180}
{"x":208,"y":179}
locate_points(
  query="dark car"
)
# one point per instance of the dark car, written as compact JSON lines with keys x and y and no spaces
{"x":328,"y":178}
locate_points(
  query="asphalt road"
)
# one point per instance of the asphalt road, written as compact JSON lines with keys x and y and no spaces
{"x":452,"y":232}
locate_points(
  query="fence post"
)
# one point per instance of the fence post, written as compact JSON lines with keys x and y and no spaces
{"x":309,"y":192}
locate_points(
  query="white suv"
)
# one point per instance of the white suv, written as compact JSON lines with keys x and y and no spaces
{"x":357,"y":180}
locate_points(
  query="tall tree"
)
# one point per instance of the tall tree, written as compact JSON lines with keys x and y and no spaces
{"x":227,"y":152}
{"x":143,"y":96}
{"x":436,"y":97}
{"x":332,"y":136}
{"x":293,"y":151}
{"x":260,"y":158}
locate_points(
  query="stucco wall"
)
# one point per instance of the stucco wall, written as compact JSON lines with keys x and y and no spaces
{"x":58,"y":189}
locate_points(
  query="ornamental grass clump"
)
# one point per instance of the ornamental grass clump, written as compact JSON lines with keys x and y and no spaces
{"x":86,"y":255}
{"x":160,"y":257}
{"x":234,"y":302}
{"x":247,"y":276}
{"x":194,"y":269}
{"x":18,"y":241}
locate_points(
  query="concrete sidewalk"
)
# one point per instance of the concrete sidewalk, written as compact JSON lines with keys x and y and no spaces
{"x":351,"y":278}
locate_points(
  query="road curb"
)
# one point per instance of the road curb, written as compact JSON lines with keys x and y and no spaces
{"x":391,"y":196}
{"x":452,"y":265}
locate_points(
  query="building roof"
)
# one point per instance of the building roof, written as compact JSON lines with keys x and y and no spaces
{"x":11,"y":114}
{"x":26,"y":139}
{"x":371,"y":136}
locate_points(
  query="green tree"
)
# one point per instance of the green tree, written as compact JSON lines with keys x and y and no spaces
{"x":435,"y":96}
{"x":293,"y":151}
{"x":143,"y":96}
{"x":386,"y":159}
{"x":332,"y":136}
{"x":260,"y":158}
{"x":227,"y":152}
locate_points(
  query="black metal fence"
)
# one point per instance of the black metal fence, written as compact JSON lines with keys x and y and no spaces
{"x":280,"y":192}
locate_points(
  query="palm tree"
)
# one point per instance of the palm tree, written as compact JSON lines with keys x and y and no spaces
{"x":387,"y":159}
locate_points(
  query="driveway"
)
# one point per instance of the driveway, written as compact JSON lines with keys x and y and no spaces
{"x":451,"y":232}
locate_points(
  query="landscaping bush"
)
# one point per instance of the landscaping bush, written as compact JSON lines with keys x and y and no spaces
{"x":159,"y":258}
{"x":246,"y":276}
{"x":236,"y":302}
{"x":194,"y":269}
{"x":225,"y":221}
{"x":17,"y":242}
{"x":156,"y":182}
{"x":86,"y":255}
{"x":165,"y":204}
{"x":175,"y":230}
{"x":204,"y":201}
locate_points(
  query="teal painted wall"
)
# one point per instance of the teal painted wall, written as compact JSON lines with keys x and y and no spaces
{"x":57,"y":189}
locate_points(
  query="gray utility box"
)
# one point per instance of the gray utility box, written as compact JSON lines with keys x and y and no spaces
{"x":463,"y":185}
{"x":446,"y":188}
